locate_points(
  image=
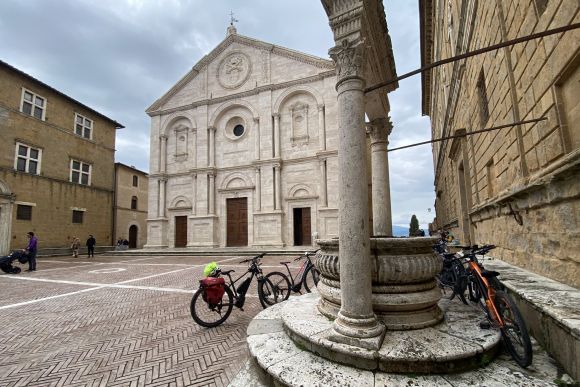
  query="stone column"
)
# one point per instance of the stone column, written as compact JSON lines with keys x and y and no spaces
{"x":356,"y":323}
{"x":211,"y":194}
{"x":211,"y":145}
{"x":379,"y":130}
{"x":194,"y":194}
{"x":161,"y":207}
{"x":277,"y":187}
{"x":323,"y":184}
{"x":258,"y":190}
{"x":321,"y":127}
{"x":276,"y":135}
{"x":163,"y":154}
{"x":257,"y":130}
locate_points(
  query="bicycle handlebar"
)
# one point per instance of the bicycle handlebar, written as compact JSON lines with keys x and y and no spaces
{"x":254,"y":258}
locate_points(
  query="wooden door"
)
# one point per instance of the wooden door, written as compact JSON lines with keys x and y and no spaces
{"x":133,"y":237}
{"x":180,"y":231}
{"x":302,"y":230}
{"x":237,"y":222}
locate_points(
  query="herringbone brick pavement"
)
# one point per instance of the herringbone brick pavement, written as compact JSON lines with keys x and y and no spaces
{"x":72,"y":327}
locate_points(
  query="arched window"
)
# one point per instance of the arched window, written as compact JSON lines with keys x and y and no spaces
{"x":134,"y":203}
{"x":135,"y":181}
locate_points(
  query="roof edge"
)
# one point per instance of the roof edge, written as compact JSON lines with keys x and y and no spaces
{"x":12,"y":68}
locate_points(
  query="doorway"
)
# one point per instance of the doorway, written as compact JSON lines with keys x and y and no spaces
{"x":302,"y":230}
{"x":133,"y":237}
{"x":237,"y":222}
{"x":180,"y":231}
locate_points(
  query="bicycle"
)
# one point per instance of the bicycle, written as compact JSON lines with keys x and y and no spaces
{"x":484,"y":288}
{"x":209,"y":311}
{"x":453,"y":275}
{"x":308,"y":276}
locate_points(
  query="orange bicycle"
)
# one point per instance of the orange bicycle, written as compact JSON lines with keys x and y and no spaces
{"x":483,"y":287}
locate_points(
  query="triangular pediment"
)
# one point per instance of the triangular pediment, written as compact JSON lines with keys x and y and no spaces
{"x":226,"y":50}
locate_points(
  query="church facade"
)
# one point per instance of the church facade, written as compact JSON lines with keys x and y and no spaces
{"x":244,"y":151}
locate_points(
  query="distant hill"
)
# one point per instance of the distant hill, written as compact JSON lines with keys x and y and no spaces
{"x":400,"y":231}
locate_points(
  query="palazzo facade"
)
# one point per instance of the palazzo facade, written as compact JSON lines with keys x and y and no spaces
{"x":244,"y":151}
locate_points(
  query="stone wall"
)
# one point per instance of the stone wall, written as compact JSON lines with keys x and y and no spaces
{"x":516,"y":187}
{"x":125,"y":215}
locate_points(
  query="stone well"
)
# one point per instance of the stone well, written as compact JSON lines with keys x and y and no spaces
{"x":404,"y":290}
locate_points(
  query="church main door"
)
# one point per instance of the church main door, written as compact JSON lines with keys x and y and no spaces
{"x":180,"y":231}
{"x":302,"y":231}
{"x":237,"y":221}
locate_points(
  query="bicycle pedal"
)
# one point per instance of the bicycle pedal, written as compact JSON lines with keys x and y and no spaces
{"x":485,"y":325}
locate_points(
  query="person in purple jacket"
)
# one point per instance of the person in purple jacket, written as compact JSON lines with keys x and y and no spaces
{"x":31,"y":251}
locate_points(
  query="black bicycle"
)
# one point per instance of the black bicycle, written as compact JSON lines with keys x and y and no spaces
{"x":307,"y":277}
{"x":209,"y":311}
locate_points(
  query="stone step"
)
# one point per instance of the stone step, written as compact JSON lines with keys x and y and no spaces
{"x":210,"y":251}
{"x":550,"y":309}
{"x":276,"y":360}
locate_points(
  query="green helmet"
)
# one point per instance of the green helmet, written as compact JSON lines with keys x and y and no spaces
{"x":211,"y":269}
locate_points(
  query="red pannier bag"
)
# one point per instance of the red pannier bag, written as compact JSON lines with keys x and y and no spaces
{"x":213,"y":289}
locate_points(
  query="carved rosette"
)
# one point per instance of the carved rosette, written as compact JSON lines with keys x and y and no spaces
{"x":405,"y":294}
{"x":349,"y":58}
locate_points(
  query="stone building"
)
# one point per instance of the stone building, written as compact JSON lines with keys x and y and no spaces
{"x":56,"y":165}
{"x":131,"y":187}
{"x":518,"y":187}
{"x":244,"y":151}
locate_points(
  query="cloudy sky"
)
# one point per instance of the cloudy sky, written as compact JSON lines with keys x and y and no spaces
{"x":119,"y":56}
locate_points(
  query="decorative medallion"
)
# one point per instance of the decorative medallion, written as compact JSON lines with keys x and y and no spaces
{"x":234,"y":70}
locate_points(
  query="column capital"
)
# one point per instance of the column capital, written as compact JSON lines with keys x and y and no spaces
{"x":193,"y":130}
{"x":276,"y":115}
{"x":162,"y":179}
{"x":349,"y":56}
{"x":211,"y":174}
{"x":163,"y":137}
{"x":257,"y":120}
{"x":379,"y":129}
{"x":321,"y":107}
{"x":211,"y":128}
{"x":258,"y":169}
{"x":277,"y":165}
{"x":194,"y":175}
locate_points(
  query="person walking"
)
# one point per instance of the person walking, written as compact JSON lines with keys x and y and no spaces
{"x":75,"y":246}
{"x":31,"y":251}
{"x":91,"y":242}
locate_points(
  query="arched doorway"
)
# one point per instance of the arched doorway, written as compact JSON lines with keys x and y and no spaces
{"x":133,"y":237}
{"x":6,"y":200}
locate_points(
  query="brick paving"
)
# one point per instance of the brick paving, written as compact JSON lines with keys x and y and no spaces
{"x":117,"y":321}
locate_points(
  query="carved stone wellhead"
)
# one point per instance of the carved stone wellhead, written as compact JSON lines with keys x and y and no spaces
{"x":404,"y":290}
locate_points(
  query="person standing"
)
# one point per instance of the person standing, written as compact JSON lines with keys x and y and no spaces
{"x":31,"y":251}
{"x":91,"y":242}
{"x":75,"y":246}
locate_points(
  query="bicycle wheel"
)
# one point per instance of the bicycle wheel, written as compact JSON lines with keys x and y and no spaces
{"x":310,"y":278}
{"x":275,"y":287}
{"x":514,"y":331}
{"x":210,"y":315}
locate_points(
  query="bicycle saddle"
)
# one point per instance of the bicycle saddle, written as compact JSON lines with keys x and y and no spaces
{"x":449,"y":255}
{"x":227,"y":271}
{"x":489,"y":273}
{"x":284,"y":263}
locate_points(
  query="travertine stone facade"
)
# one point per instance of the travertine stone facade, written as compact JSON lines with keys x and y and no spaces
{"x":518,"y":187}
{"x":36,"y":165}
{"x":131,"y":188}
{"x":252,"y":123}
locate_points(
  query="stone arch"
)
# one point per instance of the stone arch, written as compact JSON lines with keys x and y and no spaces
{"x":236,"y":180}
{"x":290,"y":92}
{"x":180,"y":202}
{"x":299,"y":191}
{"x":229,"y":105}
{"x":167,"y":122}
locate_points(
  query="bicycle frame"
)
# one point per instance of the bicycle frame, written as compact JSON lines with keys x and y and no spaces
{"x":254,"y":271}
{"x":485,"y":289}
{"x":297,"y":285}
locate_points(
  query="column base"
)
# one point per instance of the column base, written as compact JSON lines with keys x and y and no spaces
{"x":364,"y":332}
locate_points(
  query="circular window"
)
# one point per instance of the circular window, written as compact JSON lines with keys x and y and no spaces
{"x":238,"y":130}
